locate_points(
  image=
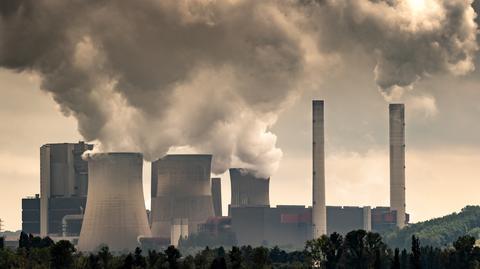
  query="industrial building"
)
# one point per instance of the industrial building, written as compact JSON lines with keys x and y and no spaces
{"x":181,"y":189}
{"x":286,"y":226}
{"x":115,"y":214}
{"x":217,"y":196}
{"x":31,"y":215}
{"x":63,"y":187}
{"x":247,"y":189}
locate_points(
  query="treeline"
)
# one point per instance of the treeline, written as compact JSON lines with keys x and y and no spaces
{"x":439,"y":232}
{"x":356,"y":250}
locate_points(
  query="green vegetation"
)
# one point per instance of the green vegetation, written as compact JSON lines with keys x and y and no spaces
{"x":357,"y":250}
{"x":439,"y":232}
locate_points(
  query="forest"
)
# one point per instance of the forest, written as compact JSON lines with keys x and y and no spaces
{"x":357,"y":250}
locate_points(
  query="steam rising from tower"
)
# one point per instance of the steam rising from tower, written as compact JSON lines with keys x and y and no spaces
{"x":134,"y":87}
{"x":397,"y":161}
{"x":319,"y":213}
{"x":115,"y":214}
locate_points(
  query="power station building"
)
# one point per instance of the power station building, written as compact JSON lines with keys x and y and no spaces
{"x":181,"y":189}
{"x":115,"y":214}
{"x":63,"y":188}
{"x":217,"y":196}
{"x":247,"y":189}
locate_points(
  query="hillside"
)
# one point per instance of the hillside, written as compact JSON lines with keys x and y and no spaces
{"x":439,"y":232}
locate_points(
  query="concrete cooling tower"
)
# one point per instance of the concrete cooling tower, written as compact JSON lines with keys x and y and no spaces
{"x":247,"y":189}
{"x":115,"y":214}
{"x":180,"y":190}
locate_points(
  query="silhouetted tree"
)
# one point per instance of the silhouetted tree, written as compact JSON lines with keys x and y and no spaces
{"x":61,"y":254}
{"x":260,"y":257}
{"x":188,"y":262}
{"x":415,"y":262}
{"x":354,"y":248}
{"x":235,"y":256}
{"x":219,"y":263}
{"x":172,"y":256}
{"x":139,"y":260}
{"x":24,"y":241}
{"x":128,"y":262}
{"x":2,"y":242}
{"x":105,"y":256}
{"x":464,"y":247}
{"x":396,"y":259}
{"x":93,"y":261}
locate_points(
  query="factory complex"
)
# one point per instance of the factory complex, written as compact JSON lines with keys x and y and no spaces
{"x":98,"y":199}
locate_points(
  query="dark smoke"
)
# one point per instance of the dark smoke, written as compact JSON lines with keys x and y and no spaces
{"x":212,"y":76}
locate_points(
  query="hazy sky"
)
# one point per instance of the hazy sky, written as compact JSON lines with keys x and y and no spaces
{"x":248,"y":98}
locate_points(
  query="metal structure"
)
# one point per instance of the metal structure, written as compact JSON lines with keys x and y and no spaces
{"x":115,"y":214}
{"x":397,"y":161}
{"x":181,"y":189}
{"x":217,"y":196}
{"x":63,"y":174}
{"x":247,"y":189}
{"x":319,"y":213}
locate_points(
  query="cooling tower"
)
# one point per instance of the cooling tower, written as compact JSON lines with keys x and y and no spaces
{"x":217,"y":196}
{"x":115,"y":214}
{"x":180,"y":190}
{"x":397,"y":161}
{"x":247,"y":189}
{"x":319,"y":213}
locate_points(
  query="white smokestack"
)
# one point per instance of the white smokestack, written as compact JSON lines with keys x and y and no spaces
{"x":397,"y":161}
{"x":319,"y":214}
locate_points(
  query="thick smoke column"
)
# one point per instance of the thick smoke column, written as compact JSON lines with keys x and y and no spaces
{"x":214,"y":75}
{"x":410,"y":39}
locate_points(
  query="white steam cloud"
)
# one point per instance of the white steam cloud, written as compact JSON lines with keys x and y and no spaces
{"x":212,"y":75}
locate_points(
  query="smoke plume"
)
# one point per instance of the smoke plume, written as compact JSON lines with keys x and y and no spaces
{"x":151,"y":75}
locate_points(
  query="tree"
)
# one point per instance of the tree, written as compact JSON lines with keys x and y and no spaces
{"x":219,"y":263}
{"x":172,"y":256}
{"x":2,"y":242}
{"x":93,"y":261}
{"x":204,"y":258}
{"x":139,"y":260}
{"x":415,"y":262}
{"x":105,"y":256}
{"x":260,"y":257}
{"x":188,"y":262}
{"x":464,"y":251}
{"x":236,"y":259}
{"x":354,"y":248}
{"x":24,"y":241}
{"x":396,"y":259}
{"x":128,"y":262}
{"x":61,"y":254}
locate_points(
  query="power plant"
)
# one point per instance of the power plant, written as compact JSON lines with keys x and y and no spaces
{"x":185,"y":200}
{"x":247,"y":189}
{"x":115,"y":214}
{"x":181,"y":189}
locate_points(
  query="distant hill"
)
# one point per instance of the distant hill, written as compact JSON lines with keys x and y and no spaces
{"x":439,"y":232}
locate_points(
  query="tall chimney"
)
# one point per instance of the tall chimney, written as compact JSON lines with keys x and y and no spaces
{"x":319,"y":215}
{"x":397,"y":161}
